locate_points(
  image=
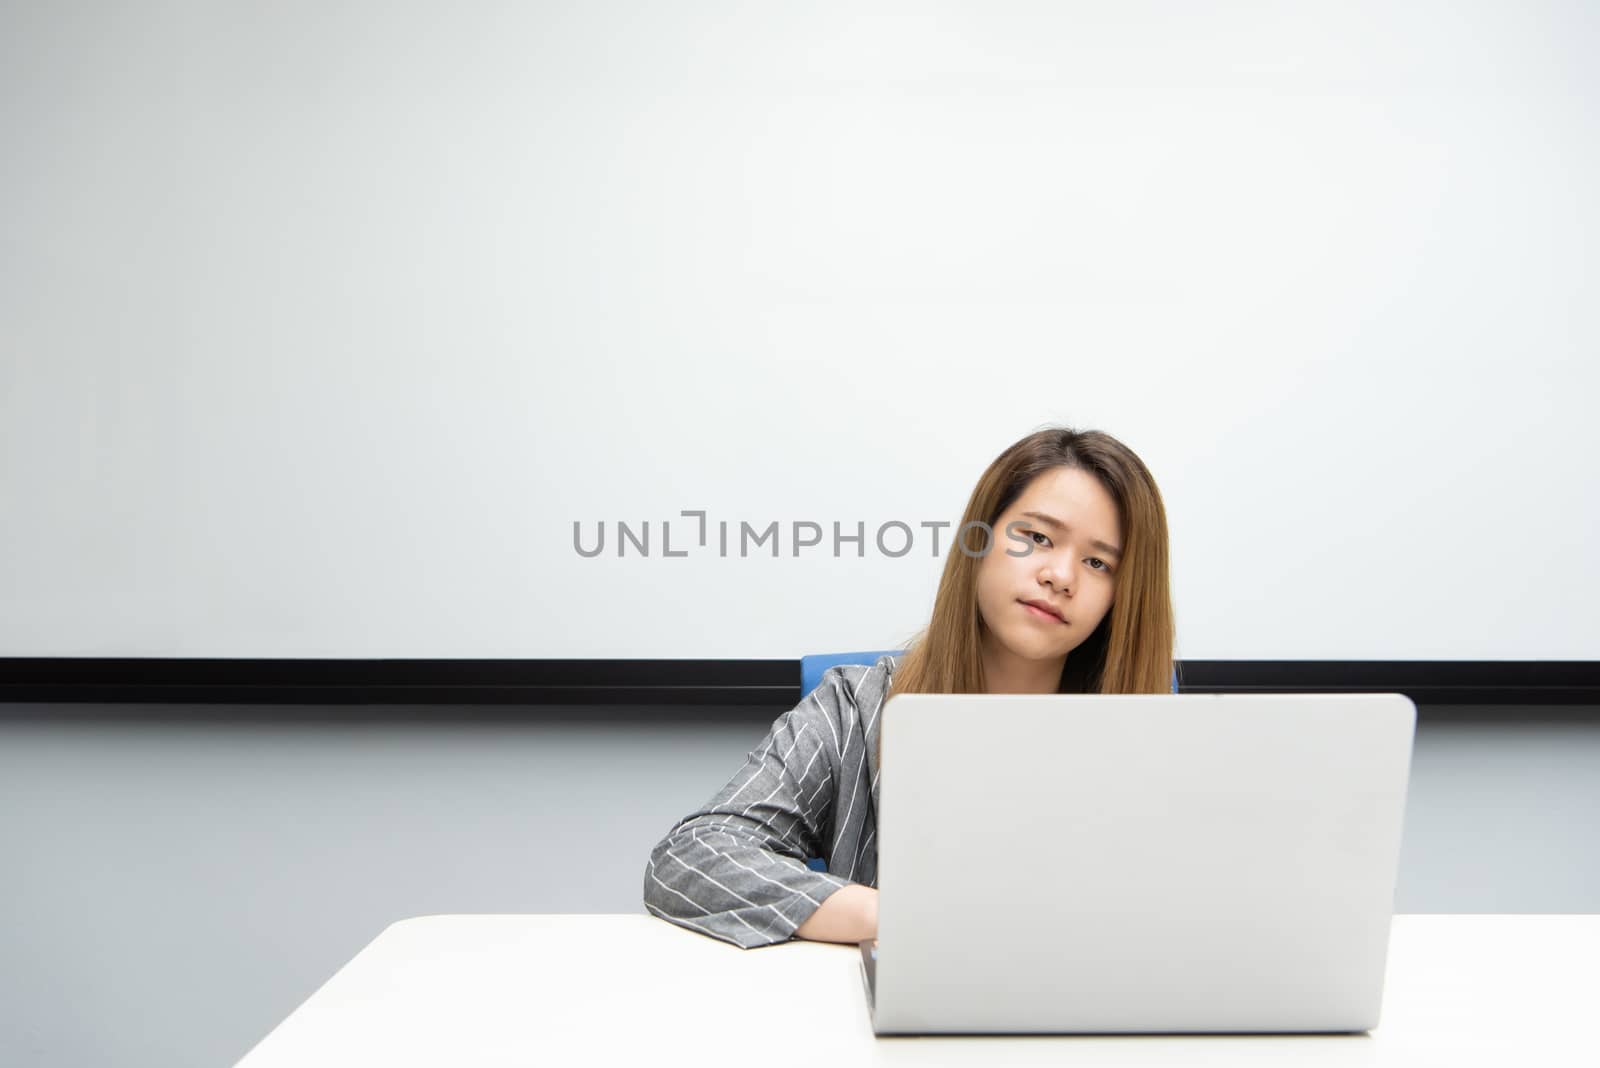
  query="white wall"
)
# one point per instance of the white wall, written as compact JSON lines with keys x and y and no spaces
{"x":321,"y":324}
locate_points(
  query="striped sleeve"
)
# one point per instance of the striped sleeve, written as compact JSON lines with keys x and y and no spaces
{"x":736,"y":868}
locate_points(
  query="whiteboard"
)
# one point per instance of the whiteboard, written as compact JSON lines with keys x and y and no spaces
{"x":323,"y":325}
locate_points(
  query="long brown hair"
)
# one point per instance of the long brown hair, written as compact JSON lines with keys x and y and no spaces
{"x":1131,"y":651}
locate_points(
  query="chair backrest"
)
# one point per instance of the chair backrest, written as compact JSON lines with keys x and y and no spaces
{"x":812,"y":667}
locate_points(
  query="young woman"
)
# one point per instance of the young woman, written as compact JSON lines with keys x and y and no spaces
{"x":1056,"y":583}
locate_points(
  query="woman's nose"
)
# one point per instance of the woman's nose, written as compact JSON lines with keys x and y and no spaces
{"x":1059,"y":573}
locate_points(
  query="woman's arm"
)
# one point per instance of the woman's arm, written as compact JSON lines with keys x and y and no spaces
{"x":736,"y":868}
{"x":848,"y":915}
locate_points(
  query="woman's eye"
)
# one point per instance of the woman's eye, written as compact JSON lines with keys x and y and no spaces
{"x":1039,"y":534}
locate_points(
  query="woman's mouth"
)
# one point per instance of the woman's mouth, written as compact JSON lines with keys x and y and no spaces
{"x":1041,"y":614}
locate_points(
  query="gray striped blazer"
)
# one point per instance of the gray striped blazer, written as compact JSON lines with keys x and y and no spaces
{"x":735,"y":869}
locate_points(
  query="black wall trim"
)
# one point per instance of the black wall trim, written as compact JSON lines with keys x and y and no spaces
{"x":718,"y":683}
{"x":404,"y":682}
{"x":1426,"y":682}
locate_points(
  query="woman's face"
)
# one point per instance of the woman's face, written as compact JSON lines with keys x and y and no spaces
{"x":1062,"y":514}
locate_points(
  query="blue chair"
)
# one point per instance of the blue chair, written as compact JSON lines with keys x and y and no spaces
{"x":812,"y":667}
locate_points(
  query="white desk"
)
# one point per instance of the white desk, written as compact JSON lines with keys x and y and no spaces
{"x":586,"y":989}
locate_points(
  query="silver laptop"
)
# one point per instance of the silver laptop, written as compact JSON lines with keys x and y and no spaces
{"x":1165,"y":863}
